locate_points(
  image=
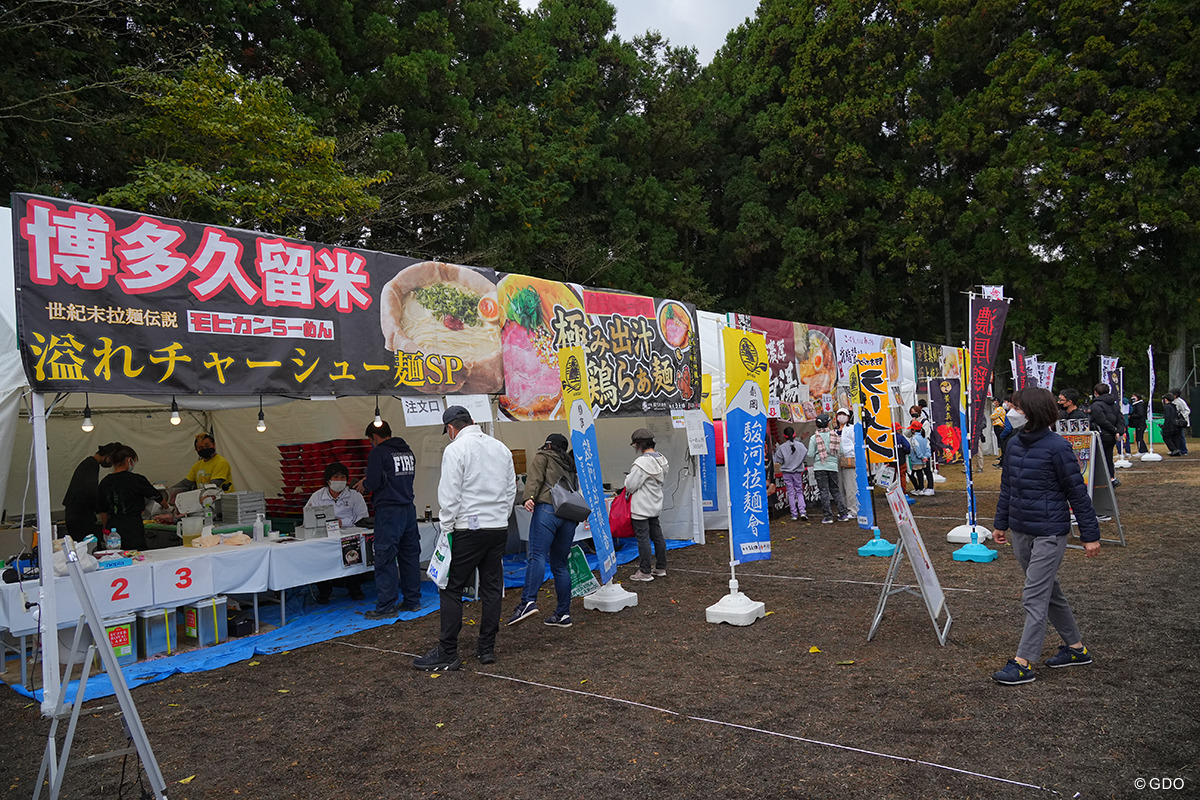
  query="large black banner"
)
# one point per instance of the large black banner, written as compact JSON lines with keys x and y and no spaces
{"x":927,"y":361}
{"x":987,"y":324}
{"x":114,"y":301}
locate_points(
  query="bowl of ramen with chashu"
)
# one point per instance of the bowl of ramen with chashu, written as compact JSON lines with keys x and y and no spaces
{"x":450,"y":315}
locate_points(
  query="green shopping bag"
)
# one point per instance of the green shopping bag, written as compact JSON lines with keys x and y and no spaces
{"x":582,"y":580}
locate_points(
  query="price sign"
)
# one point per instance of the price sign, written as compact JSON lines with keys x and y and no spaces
{"x":182,"y":580}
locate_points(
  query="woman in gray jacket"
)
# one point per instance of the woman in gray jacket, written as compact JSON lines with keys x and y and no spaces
{"x":644,"y":485}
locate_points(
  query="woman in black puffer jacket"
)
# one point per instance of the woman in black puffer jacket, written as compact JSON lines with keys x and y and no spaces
{"x":1040,"y":486}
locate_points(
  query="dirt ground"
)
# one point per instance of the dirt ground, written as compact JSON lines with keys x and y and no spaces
{"x":656,"y":702}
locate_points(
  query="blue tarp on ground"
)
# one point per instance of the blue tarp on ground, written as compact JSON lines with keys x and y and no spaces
{"x":308,"y":623}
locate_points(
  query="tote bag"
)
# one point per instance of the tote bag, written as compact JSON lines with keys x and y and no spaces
{"x":620,"y":521}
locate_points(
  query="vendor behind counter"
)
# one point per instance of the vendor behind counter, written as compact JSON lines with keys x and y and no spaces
{"x":122,"y":498}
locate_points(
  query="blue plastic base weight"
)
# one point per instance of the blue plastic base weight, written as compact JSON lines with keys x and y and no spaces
{"x":975,"y":552}
{"x":878,"y":546}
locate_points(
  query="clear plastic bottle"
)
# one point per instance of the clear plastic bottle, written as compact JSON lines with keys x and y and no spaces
{"x":258,"y":527}
{"x":112,"y":540}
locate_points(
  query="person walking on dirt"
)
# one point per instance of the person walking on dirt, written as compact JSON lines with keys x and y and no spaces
{"x":1040,"y":486}
{"x":644,"y":486}
{"x":790,"y":457}
{"x":823,"y":451}
{"x":1137,"y":420}
{"x":476,"y":493}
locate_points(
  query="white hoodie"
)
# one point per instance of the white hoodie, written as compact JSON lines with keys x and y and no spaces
{"x":644,"y":485}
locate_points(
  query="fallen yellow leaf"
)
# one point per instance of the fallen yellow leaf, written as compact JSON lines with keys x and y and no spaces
{"x":254,"y":663}
{"x":284,"y":691}
{"x":843,"y":663}
{"x":814,"y":649}
{"x":173,"y":705}
{"x":441,"y":724}
{"x":188,"y":779}
{"x":435,"y":674}
{"x":769,"y":613}
{"x":584,"y":680}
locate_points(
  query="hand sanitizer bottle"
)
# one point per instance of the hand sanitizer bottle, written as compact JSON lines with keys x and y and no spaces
{"x":258,"y":527}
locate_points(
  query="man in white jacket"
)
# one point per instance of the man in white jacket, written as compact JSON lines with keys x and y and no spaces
{"x":475,"y":499}
{"x":644,"y":485}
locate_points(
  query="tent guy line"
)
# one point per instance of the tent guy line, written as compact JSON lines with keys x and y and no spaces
{"x":764,"y":731}
{"x":799,"y":578}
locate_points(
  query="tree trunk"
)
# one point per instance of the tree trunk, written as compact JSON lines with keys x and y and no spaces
{"x":946,"y":308}
{"x":1178,"y":362}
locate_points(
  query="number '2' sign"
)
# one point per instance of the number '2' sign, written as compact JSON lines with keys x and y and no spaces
{"x":121,"y":589}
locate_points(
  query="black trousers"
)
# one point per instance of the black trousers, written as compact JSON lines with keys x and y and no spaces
{"x":471,"y":550}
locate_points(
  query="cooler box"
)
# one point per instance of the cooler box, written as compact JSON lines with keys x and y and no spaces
{"x":204,"y":622}
{"x":156,"y":634}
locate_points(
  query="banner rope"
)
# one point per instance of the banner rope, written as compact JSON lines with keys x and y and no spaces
{"x":764,"y":731}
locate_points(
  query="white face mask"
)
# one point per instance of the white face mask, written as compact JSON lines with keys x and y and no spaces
{"x":1016,"y":418}
{"x":337,"y":486}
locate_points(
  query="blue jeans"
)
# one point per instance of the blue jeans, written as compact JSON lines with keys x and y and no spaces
{"x":549,"y":536}
{"x":397,"y":556}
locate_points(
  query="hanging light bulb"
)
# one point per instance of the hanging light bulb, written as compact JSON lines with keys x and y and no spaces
{"x":174,"y":412}
{"x":87,"y":425}
{"x":262,"y":423}
{"x":378,"y":419}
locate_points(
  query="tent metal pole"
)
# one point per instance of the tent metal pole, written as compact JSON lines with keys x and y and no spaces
{"x":47,"y":601}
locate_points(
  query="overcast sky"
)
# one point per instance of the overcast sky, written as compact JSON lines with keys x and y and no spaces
{"x":702,"y":24}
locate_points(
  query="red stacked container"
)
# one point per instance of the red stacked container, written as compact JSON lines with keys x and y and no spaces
{"x":303,"y":468}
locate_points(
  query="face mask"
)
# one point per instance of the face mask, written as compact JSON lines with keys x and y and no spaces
{"x":206,"y":452}
{"x":337,"y":486}
{"x":1016,"y":418}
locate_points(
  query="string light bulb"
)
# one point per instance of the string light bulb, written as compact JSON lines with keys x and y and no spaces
{"x":378,"y":419}
{"x":174,"y":412}
{"x":262,"y":423}
{"x":87,"y":425}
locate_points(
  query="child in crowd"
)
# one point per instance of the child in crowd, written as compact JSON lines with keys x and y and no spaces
{"x":918,"y":460}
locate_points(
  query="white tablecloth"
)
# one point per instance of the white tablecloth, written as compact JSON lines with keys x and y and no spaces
{"x":301,"y":562}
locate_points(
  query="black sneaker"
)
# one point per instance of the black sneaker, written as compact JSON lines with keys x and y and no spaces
{"x":410,"y":606}
{"x":437,"y":661}
{"x":843,"y":517}
{"x":558,"y":621}
{"x":524,"y":610}
{"x":1014,"y":674}
{"x":1069,"y":657}
{"x":387,"y":613}
{"x":486,"y":656}
{"x":804,"y":517}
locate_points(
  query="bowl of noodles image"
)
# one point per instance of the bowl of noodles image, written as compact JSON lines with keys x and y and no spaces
{"x":450,"y":311}
{"x":532,"y":382}
{"x":816,"y":362}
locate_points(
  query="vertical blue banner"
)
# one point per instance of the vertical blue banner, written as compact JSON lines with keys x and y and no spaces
{"x":708,"y":471}
{"x":587,"y":465}
{"x":746,"y":434}
{"x":866,"y":509}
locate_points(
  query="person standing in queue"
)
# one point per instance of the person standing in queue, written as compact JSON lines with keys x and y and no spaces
{"x":391,"y":466}
{"x":81,"y":499}
{"x":210,"y":468}
{"x":1137,"y":421}
{"x":847,"y":475}
{"x":122,"y":499}
{"x":1040,"y":487}
{"x":823,"y":450}
{"x":644,"y":485}
{"x":549,"y":535}
{"x":790,"y":457}
{"x":349,"y":507}
{"x":475,"y":500}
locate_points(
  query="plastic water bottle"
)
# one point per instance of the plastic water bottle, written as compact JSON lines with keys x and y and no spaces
{"x":112,"y":540}
{"x":258,"y":527}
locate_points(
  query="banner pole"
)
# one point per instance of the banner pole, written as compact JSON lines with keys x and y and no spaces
{"x":1151,"y":456}
{"x":48,"y":598}
{"x":974,"y":550}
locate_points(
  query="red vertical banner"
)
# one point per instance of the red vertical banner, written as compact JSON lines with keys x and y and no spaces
{"x":987,"y":323}
{"x":1020,"y":368}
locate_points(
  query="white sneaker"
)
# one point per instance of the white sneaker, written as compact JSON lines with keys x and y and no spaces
{"x":641,"y":576}
{"x":929,"y":493}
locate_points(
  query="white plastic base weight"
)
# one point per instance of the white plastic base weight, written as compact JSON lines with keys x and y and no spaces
{"x":735,"y":608}
{"x":1151,"y":457}
{"x":962,"y":534}
{"x":609,"y":597}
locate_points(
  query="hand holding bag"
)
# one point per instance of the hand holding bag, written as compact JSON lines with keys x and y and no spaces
{"x":568,"y":502}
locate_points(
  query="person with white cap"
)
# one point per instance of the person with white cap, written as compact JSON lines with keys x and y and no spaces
{"x":475,"y":499}
{"x":847,"y":477}
{"x":644,"y":485}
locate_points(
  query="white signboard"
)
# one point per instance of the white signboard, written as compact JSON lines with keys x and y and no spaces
{"x":851,"y":344}
{"x":419,"y":411}
{"x":479,"y":406}
{"x":694,"y":423}
{"x":179,"y":581}
{"x":922,"y":566}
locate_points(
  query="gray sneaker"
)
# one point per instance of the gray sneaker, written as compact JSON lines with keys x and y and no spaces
{"x":659,"y":573}
{"x":641,"y":576}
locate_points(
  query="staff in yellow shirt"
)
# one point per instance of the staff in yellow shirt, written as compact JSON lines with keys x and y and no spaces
{"x":211,"y":468}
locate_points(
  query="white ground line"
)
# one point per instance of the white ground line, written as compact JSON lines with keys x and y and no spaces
{"x":798,"y":578}
{"x":764,"y":731}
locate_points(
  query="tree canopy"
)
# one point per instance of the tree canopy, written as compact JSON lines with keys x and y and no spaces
{"x":850,"y":162}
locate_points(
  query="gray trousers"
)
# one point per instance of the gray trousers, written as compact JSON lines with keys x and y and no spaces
{"x":1043,"y":598}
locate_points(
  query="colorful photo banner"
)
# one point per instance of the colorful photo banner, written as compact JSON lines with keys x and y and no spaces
{"x":120,"y":302}
{"x":945,"y":396}
{"x":747,"y":373}
{"x":862,"y":473}
{"x":878,"y":436}
{"x":802,"y":360}
{"x":586,"y":449}
{"x":987,"y":324}
{"x":851,"y":344}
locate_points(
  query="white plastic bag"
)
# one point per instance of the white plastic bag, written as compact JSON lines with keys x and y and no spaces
{"x":86,"y":560}
{"x":439,"y":563}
